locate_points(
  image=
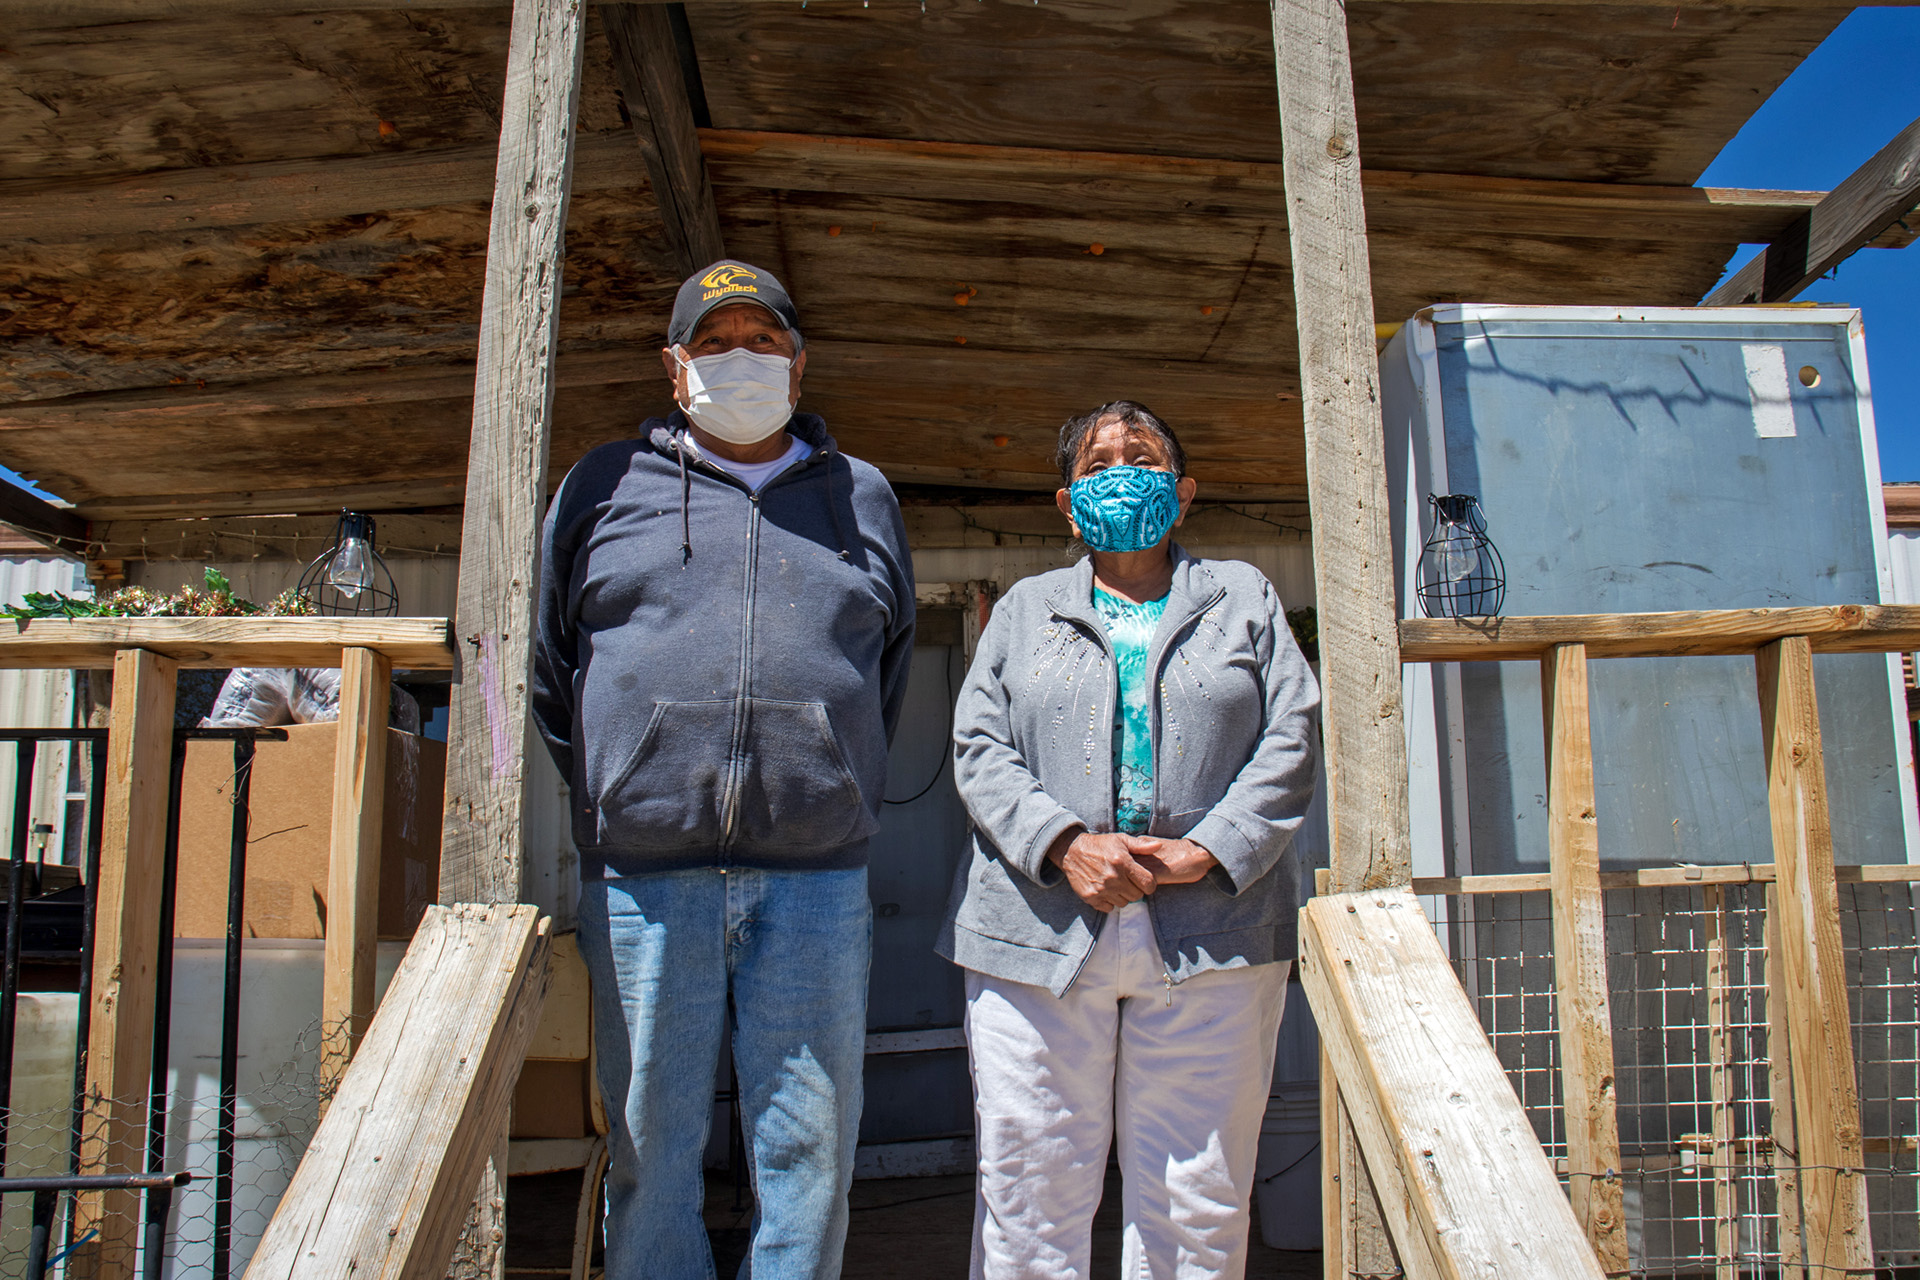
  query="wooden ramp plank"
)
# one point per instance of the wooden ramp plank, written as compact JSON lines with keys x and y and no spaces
{"x":1826,"y":1104}
{"x":1580,"y":957}
{"x":1429,"y":1098}
{"x":389,"y":1177}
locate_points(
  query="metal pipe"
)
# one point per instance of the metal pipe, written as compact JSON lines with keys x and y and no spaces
{"x":230,"y":1012}
{"x":153,"y":1251}
{"x":83,"y":1014}
{"x":163,"y":967}
{"x":53,"y":735}
{"x":45,"y":1202}
{"x":95,"y":1182}
{"x":16,"y":920}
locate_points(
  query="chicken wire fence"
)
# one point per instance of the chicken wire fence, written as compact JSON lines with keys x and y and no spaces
{"x":1701,"y":1176}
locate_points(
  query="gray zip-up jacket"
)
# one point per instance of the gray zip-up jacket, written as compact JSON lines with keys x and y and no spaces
{"x":1235,"y":732}
{"x":718,"y":672}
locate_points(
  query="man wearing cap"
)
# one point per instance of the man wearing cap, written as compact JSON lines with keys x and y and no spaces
{"x":725,"y":625}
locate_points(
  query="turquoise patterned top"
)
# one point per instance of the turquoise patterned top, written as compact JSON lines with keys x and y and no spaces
{"x":1130,"y":627}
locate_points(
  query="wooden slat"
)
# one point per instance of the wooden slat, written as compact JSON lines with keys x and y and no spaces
{"x":1726,"y":1203}
{"x":1782,"y":1128}
{"x":482,"y":837}
{"x":1847,"y":628}
{"x":1429,"y":1097}
{"x":1826,"y":1106}
{"x":646,"y":61}
{"x":1580,"y":958}
{"x":314,"y":190}
{"x":389,"y":1176}
{"x":1874,"y":197}
{"x":353,"y":866}
{"x":1362,"y":719}
{"x":125,"y":953}
{"x":420,"y":644}
{"x":1659,"y":878}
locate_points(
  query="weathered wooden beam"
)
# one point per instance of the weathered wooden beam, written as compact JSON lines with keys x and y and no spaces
{"x":58,"y":527}
{"x":1877,"y":195}
{"x":386,"y":1183}
{"x":1429,"y":1097}
{"x":57,"y":13}
{"x":126,"y":952}
{"x":1781,"y":1126}
{"x":353,"y":864}
{"x":483,"y":836}
{"x":1361,"y":715}
{"x":1826,"y":1104}
{"x":646,"y":62}
{"x":1720,"y":1086}
{"x":1580,"y":958}
{"x":1846,"y":628}
{"x":421,"y":644}
{"x":314,"y":190}
{"x":1682,"y":877}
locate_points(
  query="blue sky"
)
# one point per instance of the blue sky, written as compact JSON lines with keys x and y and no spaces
{"x":1845,"y":102}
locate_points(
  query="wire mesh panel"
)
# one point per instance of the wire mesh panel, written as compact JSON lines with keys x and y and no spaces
{"x":1701,"y":1172}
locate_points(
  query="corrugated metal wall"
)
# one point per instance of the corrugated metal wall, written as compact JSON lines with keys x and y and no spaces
{"x":38,"y":700}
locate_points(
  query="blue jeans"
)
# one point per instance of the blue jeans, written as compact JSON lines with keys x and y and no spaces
{"x":780,"y":959}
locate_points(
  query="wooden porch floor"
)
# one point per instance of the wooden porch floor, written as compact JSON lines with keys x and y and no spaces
{"x":902,"y":1229}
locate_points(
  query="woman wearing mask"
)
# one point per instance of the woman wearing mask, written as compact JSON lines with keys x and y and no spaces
{"x":1135,"y":746}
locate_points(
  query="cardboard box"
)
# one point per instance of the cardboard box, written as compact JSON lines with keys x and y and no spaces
{"x":291,"y":830}
{"x":551,"y":1101}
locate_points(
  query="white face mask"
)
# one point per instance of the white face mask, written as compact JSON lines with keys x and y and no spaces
{"x":740,"y":396}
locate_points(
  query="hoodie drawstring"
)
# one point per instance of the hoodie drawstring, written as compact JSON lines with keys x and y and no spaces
{"x":686,"y":498}
{"x":833,"y":508}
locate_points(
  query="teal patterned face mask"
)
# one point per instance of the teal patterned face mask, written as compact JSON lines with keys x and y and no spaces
{"x":1125,"y":508}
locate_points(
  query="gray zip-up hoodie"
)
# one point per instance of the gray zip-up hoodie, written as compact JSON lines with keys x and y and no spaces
{"x":1234,"y":739}
{"x":718,"y":673}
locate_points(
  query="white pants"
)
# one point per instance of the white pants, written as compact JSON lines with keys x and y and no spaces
{"x":1185,"y":1070}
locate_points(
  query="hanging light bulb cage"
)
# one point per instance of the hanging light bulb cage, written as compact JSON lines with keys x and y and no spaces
{"x":349,"y":579}
{"x":1461,"y":573}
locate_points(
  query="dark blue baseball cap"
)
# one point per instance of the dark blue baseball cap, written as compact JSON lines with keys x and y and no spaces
{"x":726,"y":282}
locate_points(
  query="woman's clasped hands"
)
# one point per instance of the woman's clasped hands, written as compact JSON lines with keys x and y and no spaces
{"x":1110,"y":869}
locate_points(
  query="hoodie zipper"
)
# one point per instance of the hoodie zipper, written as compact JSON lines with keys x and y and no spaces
{"x":730,"y":811}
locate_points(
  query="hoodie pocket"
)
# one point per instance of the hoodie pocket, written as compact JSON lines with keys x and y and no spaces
{"x":668,"y":794}
{"x":797,"y":792}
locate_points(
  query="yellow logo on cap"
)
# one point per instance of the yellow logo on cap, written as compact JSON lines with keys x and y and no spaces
{"x":724,"y":280}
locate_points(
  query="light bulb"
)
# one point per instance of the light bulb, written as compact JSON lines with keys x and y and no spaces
{"x":351,"y":570}
{"x":1455,"y":560}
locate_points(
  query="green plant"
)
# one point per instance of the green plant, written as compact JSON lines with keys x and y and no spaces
{"x":214,"y":598}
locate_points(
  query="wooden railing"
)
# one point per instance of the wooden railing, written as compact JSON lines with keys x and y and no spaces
{"x":145,"y":654}
{"x":1461,"y":1178}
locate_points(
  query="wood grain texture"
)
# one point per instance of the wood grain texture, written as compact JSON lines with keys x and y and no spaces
{"x":1429,"y":1097}
{"x":1781,"y":1124}
{"x":482,"y":836}
{"x":1361,"y":716}
{"x":646,"y":62}
{"x":421,"y":644}
{"x":1583,"y":1009}
{"x":353,"y":862}
{"x":1659,"y":878}
{"x":1847,"y":628}
{"x":1833,"y":1185}
{"x":390,"y":1174}
{"x":126,"y":945}
{"x":1875,"y":196}
{"x":1720,"y":1086}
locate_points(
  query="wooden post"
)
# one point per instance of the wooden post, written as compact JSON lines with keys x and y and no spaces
{"x":483,"y":837}
{"x":1366,"y":754}
{"x":1580,"y":957}
{"x":1726,"y":1227}
{"x":126,"y":947}
{"x":353,"y":869}
{"x":1833,"y":1185}
{"x":1346,"y":450}
{"x":481,"y":841}
{"x":646,"y":61}
{"x":1785,"y":1134}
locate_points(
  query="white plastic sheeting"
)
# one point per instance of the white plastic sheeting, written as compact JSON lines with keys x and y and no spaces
{"x":1903,"y":556}
{"x":38,"y":700}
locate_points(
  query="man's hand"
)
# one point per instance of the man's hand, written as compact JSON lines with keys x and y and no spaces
{"x":1171,"y":861}
{"x":1100,"y":869}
